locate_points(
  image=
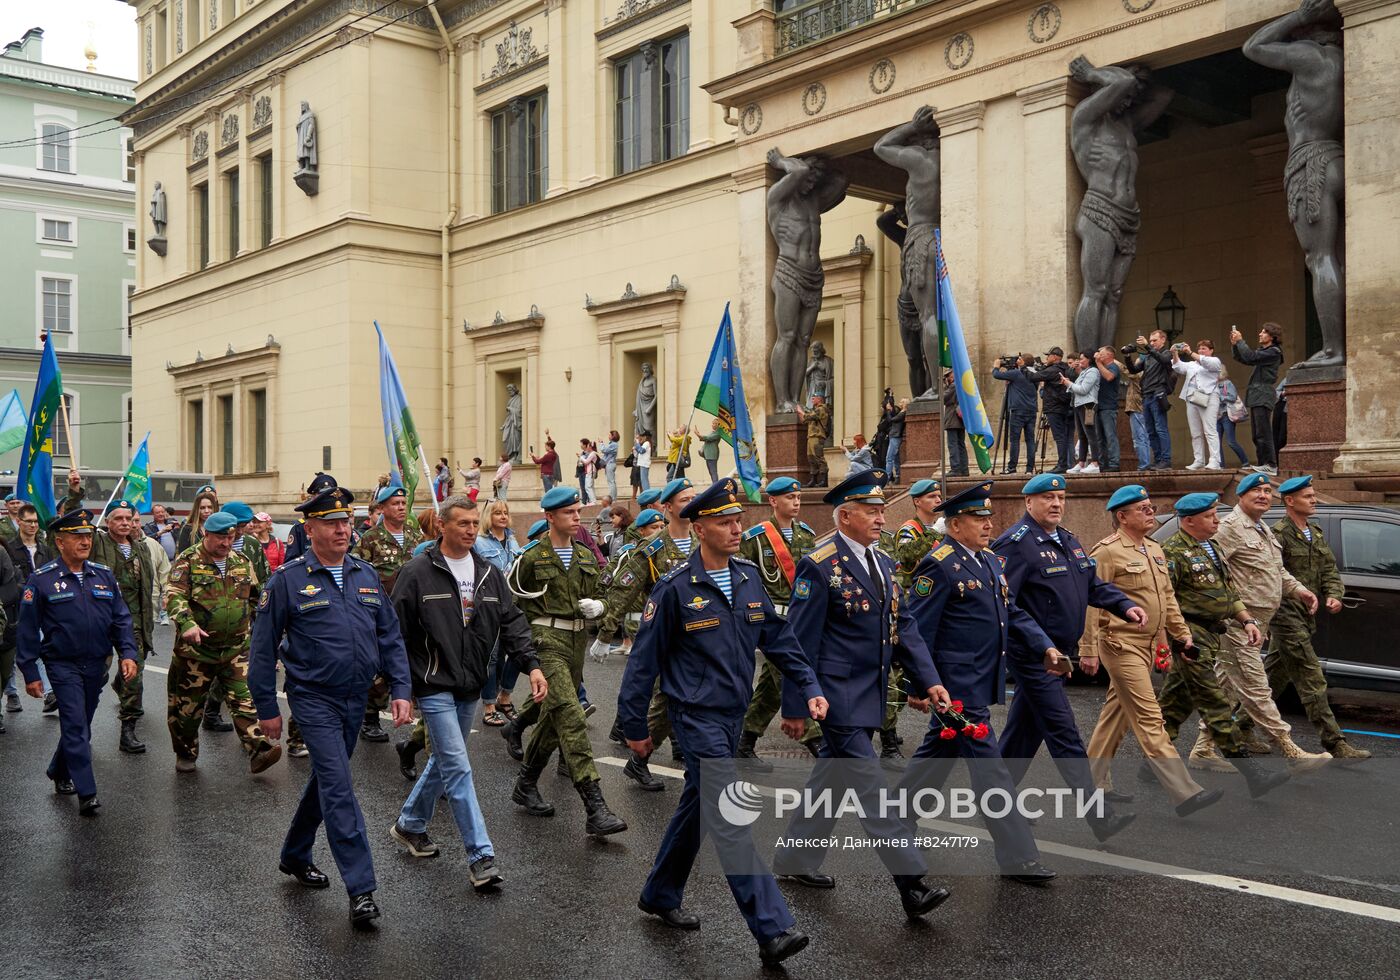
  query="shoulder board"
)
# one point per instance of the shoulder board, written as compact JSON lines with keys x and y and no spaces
{"x":805,"y":527}
{"x":753,"y":532}
{"x":628,"y":546}
{"x":1020,"y":532}
{"x":529,"y":546}
{"x":675,"y":572}
{"x":742,"y":560}
{"x":292,"y":563}
{"x":652,"y":546}
{"x":942,"y":553}
{"x":1110,"y":539}
{"x":824,"y":552}
{"x":98,"y":564}
{"x":47,"y":568}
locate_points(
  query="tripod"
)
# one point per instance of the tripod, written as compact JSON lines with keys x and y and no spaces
{"x":1044,"y":437}
{"x":1003,"y":430}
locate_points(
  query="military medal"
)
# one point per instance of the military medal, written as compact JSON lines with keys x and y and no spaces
{"x":835,"y":580}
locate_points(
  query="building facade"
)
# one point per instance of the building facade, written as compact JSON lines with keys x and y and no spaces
{"x":68,"y":221}
{"x":550,"y":195}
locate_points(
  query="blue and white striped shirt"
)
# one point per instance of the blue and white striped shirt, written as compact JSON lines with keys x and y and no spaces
{"x":222,"y":565}
{"x":721,"y":578}
{"x":787,"y":534}
{"x":683,"y":544}
{"x":337,"y":573}
{"x":566,"y":555}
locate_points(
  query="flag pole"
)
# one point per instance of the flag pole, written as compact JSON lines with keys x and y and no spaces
{"x":103,"y":516}
{"x":72,"y":447}
{"x":937,"y":367}
{"x":423,"y":458}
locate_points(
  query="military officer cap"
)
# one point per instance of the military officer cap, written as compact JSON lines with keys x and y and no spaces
{"x":1044,"y":483}
{"x":974,"y":500}
{"x":674,"y":487}
{"x":648,"y":497}
{"x":536,"y":529}
{"x":331,"y":504}
{"x":559,"y":497}
{"x":922,"y":488}
{"x":220,"y":522}
{"x":778,"y":486}
{"x":865,"y":487}
{"x":1131,"y":494}
{"x":74,"y":522}
{"x":646,"y":518}
{"x":122,"y":504}
{"x":321,"y":481}
{"x":717,"y":500}
{"x":389,"y":493}
{"x":1287,"y":487}
{"x":1195,"y":503}
{"x":1250,"y":482}
{"x":238,"y":510}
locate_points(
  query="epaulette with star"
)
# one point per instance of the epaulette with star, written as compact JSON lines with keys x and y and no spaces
{"x":529,"y":546}
{"x":742,"y":560}
{"x":824,"y":552}
{"x":673,"y":573}
{"x":98,"y":564}
{"x":1020,"y":532}
{"x":47,"y":568}
{"x":941,"y":553}
{"x":653,"y":546}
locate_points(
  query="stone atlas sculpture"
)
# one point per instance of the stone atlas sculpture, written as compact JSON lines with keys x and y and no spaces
{"x":644,"y":411}
{"x":1102,"y":137}
{"x":893,"y":224}
{"x":1307,"y":45}
{"x":511,"y":427}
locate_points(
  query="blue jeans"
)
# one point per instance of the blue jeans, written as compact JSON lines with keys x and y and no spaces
{"x":892,"y":458}
{"x":1160,"y":438}
{"x":957,"y":453}
{"x":548,"y":482}
{"x":449,"y":720}
{"x":644,"y":476}
{"x":1226,"y":430}
{"x":1142,"y":441}
{"x":1021,"y":422}
{"x":1106,"y":430}
{"x":10,"y":687}
{"x":501,"y":675}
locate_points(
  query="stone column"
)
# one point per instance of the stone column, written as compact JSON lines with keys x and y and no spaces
{"x":558,"y":98}
{"x":1372,"y":140}
{"x":1052,"y":186}
{"x":961,"y":163}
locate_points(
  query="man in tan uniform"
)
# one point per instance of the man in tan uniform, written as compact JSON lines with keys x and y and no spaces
{"x":1131,"y":560}
{"x":1254,"y":558}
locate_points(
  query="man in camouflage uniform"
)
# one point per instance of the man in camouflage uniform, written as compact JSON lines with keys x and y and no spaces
{"x":554,"y":580}
{"x":1208,"y":601}
{"x":818,"y":417}
{"x":1291,"y":658}
{"x":117,"y":547}
{"x":386,"y":546}
{"x":211,"y":597}
{"x":246,"y":545}
{"x":776,"y":546}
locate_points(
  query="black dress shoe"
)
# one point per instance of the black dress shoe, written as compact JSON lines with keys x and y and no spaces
{"x":1106,"y":827}
{"x":408,"y":752}
{"x":921,"y":900}
{"x":363,"y":911}
{"x":1200,"y":801}
{"x":638,"y":771}
{"x":215,"y":723}
{"x":371,"y":732}
{"x":781,"y":947}
{"x":89,"y":805}
{"x":64,"y":787}
{"x":1113,"y":796}
{"x":1028,"y":873}
{"x":812,"y":881}
{"x":50,"y":703}
{"x":310,"y":875}
{"x":677,"y":918}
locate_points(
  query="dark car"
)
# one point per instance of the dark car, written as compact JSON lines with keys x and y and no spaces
{"x":1352,"y":644}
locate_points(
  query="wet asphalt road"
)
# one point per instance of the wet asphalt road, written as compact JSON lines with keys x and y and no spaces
{"x":178,"y":878}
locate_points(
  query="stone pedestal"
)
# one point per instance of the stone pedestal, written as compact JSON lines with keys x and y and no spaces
{"x":308,"y":180}
{"x":922,"y":452}
{"x":1317,"y":419}
{"x":157,"y":244}
{"x":786,"y":448}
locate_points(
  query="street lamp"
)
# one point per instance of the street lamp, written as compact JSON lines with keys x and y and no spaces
{"x":1171,"y":315}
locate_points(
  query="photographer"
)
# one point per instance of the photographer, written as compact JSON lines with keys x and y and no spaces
{"x":1084,"y":389}
{"x":1154,"y":363}
{"x":1106,"y":411}
{"x":1057,"y":404}
{"x":1020,"y":408}
{"x":1202,"y":397}
{"x":1259,"y":396}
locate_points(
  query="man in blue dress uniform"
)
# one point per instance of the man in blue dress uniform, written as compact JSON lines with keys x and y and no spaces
{"x":340,"y":631}
{"x":962,"y":604}
{"x":700,"y":627}
{"x":1053,"y":580}
{"x":71,"y":616}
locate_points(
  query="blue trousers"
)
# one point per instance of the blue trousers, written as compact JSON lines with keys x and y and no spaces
{"x":932,"y":762}
{"x":330,"y":726}
{"x":714,"y":737}
{"x":448,"y":770}
{"x":1021,"y":423}
{"x":892,"y":458}
{"x":1225,"y":428}
{"x":77,"y":686}
{"x":1040,"y":713}
{"x":1142,"y":441}
{"x":1062,"y":429}
{"x":1159,"y":436}
{"x":957,"y":452}
{"x":10,"y":687}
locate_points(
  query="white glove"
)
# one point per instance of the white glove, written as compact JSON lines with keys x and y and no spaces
{"x":591,"y":608}
{"x":598,"y":651}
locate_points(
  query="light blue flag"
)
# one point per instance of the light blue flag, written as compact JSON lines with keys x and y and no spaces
{"x":953,"y":354}
{"x":722,"y":395}
{"x":400,"y":437}
{"x":35,"y":483}
{"x":138,"y":478}
{"x":13,"y":423}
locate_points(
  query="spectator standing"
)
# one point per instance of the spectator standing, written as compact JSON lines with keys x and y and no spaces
{"x":858,"y":455}
{"x":1084,"y":390}
{"x":709,"y":449}
{"x":1202,"y":397}
{"x":162,"y":529}
{"x":472,"y":477}
{"x":1057,"y":404}
{"x":1154,"y":363}
{"x":1137,"y":421}
{"x":1020,"y":410}
{"x":273,"y":550}
{"x":500,"y":483}
{"x":1232,"y":412}
{"x":1106,"y":409}
{"x":588,"y":470}
{"x":205,"y":503}
{"x":27,"y":552}
{"x":442,"y":480}
{"x":608,"y":452}
{"x":896,"y":434}
{"x":548,"y":463}
{"x":1259,"y":396}
{"x":641,"y":467}
{"x":497,"y":544}
{"x":954,"y":427}
{"x":677,"y":453}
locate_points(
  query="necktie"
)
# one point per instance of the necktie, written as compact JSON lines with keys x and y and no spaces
{"x":876,"y":579}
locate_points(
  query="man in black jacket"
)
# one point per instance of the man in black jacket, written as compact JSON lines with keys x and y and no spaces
{"x":1261,"y":396}
{"x":1020,"y":409}
{"x":1057,"y":404}
{"x":453,"y":607}
{"x":10,"y":586}
{"x":28,"y":549}
{"x":1154,"y":363}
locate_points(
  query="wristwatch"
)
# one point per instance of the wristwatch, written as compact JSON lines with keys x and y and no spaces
{"x":1250,"y":622}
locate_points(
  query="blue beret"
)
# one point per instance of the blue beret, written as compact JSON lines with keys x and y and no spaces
{"x":1294,"y":485}
{"x":209,"y":487}
{"x":331,"y":504}
{"x":122,"y":504}
{"x":220,"y":523}
{"x":973,"y":500}
{"x":1250,"y":482}
{"x":9,"y":497}
{"x":646,"y":517}
{"x":781,"y":485}
{"x":718,"y":499}
{"x":648,"y":497}
{"x":1131,"y":494}
{"x":674,"y":487}
{"x":1044,"y":483}
{"x":390,"y":492}
{"x":1195,"y":503}
{"x":77,"y":521}
{"x":922,"y":488}
{"x":238,"y":510}
{"x":536,"y":529}
{"x":319,"y":482}
{"x":867,"y":486}
{"x":559,"y":497}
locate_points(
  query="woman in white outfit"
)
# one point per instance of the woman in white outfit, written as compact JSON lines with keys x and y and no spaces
{"x":1201,"y":393}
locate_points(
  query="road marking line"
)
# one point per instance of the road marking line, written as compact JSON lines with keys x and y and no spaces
{"x":1358,"y":731}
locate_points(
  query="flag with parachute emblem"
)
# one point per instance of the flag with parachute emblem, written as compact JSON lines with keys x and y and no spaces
{"x":400,"y":436}
{"x":35,"y":483}
{"x":722,"y":395}
{"x":953,"y":354}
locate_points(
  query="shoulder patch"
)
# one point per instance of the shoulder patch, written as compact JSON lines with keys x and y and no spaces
{"x":649,"y":611}
{"x":264,"y":599}
{"x":942,"y":553}
{"x":923,"y":586}
{"x":802,"y":589}
{"x":805,"y":527}
{"x":824,"y":552}
{"x":529,"y":546}
{"x":1020,"y":532}
{"x":1001,"y":562}
{"x":753,"y":532}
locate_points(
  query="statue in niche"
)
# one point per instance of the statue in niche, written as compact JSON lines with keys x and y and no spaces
{"x":307,"y":175}
{"x":819,"y":378}
{"x":1102,"y":136}
{"x":1308,"y":45}
{"x":158,"y":220}
{"x":513,"y":424}
{"x":809,"y":187}
{"x":644,"y":414}
{"x":914,"y":148}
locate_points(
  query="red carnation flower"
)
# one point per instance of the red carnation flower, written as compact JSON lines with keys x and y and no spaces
{"x":969,"y":730}
{"x":947,"y":733}
{"x":957,"y":706}
{"x":980,"y":730}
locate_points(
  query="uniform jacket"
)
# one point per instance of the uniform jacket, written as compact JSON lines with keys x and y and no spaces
{"x":1255,"y":561}
{"x":757,"y":547}
{"x":379,"y":547}
{"x":1204,"y":588}
{"x":220,"y":603}
{"x":337,"y":640}
{"x":624,"y":587}
{"x":444,"y":654}
{"x":1266,"y":362}
{"x":1142,"y":575}
{"x":1313,"y":565}
{"x":137,"y":578}
{"x":702,"y":646}
{"x":965,"y":615}
{"x":912,"y":541}
{"x":817,"y":417}
{"x":852,"y":638}
{"x":539,"y":570}
{"x":61,"y":618}
{"x":1055,"y":583}
{"x":11,"y":586}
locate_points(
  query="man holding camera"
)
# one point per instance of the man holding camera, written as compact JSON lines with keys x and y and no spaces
{"x":1154,"y":363}
{"x":1020,"y":407}
{"x":1057,"y":405}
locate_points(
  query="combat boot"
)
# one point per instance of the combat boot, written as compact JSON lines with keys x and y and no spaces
{"x":748,"y":743}
{"x":527,"y":792}
{"x":890,"y":756}
{"x":510,"y":731}
{"x":214,"y":720}
{"x":129,"y":741}
{"x":638,"y":771}
{"x":370,"y":730}
{"x":1259,"y":779}
{"x":601,"y":820}
{"x":1204,"y":755}
{"x":616,"y":733}
{"x":1299,"y":760}
{"x":1255,"y":744}
{"x":1344,"y":751}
